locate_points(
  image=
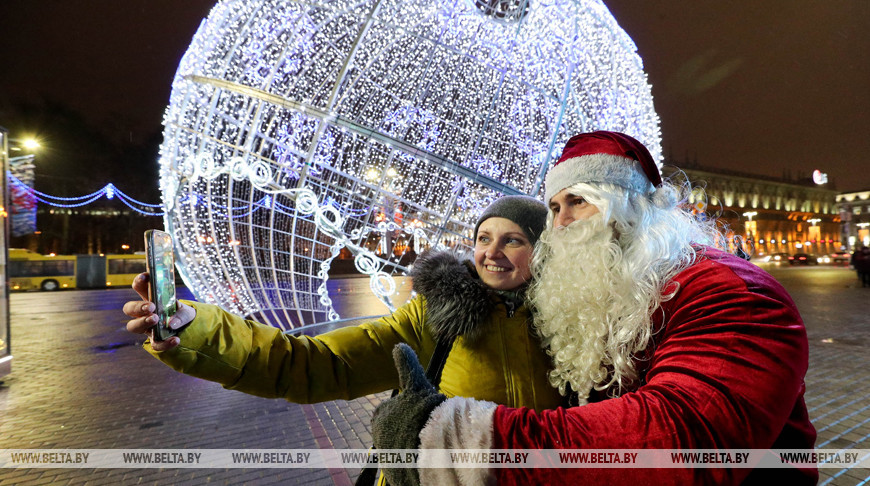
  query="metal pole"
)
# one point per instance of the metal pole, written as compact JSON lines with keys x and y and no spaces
{"x":5,"y":328}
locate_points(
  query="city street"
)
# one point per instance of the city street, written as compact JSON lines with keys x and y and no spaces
{"x":80,"y":381}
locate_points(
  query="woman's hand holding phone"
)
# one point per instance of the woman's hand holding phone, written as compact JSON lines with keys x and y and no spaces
{"x":144,"y":319}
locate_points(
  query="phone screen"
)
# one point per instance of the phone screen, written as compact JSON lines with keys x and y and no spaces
{"x":161,"y":267}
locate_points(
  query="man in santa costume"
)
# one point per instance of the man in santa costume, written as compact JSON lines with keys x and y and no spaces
{"x":660,"y":340}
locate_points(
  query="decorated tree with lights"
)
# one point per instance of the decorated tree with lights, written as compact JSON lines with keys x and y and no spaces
{"x":298,"y":129}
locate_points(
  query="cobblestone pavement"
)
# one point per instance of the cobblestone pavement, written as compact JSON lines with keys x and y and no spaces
{"x":836,"y":311}
{"x":80,"y":381}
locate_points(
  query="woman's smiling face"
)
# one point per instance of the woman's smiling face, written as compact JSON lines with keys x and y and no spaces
{"x":502,"y":254}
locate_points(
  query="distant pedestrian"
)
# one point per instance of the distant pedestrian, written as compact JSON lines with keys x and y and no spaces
{"x":861,"y":262}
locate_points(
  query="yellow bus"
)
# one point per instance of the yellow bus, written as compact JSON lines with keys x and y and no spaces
{"x":29,"y":271}
{"x":122,"y":269}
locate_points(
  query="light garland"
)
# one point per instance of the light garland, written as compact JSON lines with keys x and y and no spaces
{"x":403,"y":119}
{"x":109,"y":191}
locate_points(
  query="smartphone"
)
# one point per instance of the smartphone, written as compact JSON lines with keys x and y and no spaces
{"x":160,"y":263}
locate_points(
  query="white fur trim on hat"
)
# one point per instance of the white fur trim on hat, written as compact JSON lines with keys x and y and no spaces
{"x":597,"y":168}
{"x":458,"y":423}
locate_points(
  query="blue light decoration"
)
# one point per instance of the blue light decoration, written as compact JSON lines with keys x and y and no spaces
{"x":109,"y":191}
{"x":296,"y":130}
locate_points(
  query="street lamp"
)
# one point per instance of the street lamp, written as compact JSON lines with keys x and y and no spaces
{"x":30,"y":144}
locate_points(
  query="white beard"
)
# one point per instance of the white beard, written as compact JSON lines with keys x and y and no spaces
{"x":591,"y":312}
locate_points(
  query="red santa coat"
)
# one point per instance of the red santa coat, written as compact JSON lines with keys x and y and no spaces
{"x":726,"y":371}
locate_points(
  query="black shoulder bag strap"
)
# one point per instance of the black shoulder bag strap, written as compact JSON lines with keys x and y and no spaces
{"x":369,"y":475}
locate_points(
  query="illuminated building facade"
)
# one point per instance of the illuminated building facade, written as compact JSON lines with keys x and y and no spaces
{"x":772,"y":215}
{"x":854,"y":210}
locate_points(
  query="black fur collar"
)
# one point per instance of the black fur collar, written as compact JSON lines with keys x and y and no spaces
{"x":457,"y":301}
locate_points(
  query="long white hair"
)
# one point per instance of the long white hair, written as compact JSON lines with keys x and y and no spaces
{"x":597,"y":282}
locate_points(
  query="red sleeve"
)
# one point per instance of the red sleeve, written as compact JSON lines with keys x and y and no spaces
{"x":727,"y":372}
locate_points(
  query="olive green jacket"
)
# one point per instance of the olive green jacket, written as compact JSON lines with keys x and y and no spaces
{"x":501,"y":361}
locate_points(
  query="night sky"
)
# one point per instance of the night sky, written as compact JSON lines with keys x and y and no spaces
{"x":767,"y":87}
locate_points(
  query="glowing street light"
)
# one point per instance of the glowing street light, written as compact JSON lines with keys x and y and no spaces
{"x":23,"y":144}
{"x":29,"y":144}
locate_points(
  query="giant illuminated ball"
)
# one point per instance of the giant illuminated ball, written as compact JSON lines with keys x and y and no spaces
{"x":302,"y":132}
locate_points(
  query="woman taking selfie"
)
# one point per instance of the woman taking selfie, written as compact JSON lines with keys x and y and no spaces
{"x":474,"y":309}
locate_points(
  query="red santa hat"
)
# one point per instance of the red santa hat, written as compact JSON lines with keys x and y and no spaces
{"x":610,"y":157}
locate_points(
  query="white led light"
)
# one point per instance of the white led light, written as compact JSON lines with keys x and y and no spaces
{"x":297,"y":129}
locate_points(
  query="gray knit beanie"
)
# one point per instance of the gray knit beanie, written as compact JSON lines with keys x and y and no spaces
{"x":527,"y":212}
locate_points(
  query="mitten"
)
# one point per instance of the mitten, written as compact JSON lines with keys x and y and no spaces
{"x":397,"y":422}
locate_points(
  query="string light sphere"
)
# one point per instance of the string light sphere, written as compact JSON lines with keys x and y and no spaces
{"x":297,"y":131}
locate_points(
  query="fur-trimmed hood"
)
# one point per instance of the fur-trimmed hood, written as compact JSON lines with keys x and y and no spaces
{"x":458,"y":303}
